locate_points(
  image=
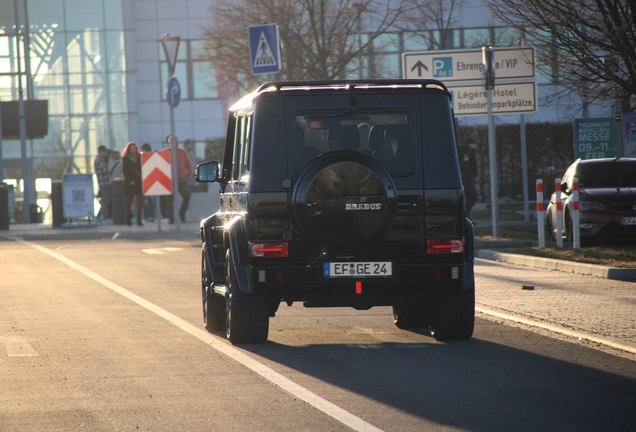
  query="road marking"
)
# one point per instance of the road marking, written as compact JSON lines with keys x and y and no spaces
{"x":161,"y":251}
{"x":329,"y":408}
{"x":613,"y":343}
{"x":19,"y":347}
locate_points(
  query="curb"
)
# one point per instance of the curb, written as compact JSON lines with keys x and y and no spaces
{"x":613,"y":273}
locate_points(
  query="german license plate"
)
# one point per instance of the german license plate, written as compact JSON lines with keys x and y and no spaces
{"x":628,"y":221}
{"x":357,"y":269}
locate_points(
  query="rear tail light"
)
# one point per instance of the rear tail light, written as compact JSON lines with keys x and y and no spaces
{"x":444,"y":246}
{"x":269,"y":250}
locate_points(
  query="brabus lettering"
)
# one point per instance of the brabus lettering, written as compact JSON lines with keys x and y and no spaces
{"x":365,"y":206}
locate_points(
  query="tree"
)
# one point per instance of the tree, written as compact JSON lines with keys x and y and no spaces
{"x":423,"y":17}
{"x":321,"y":39}
{"x":589,"y":46}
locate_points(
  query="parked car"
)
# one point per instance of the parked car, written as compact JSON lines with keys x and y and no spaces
{"x":607,"y":201}
{"x":334,"y":194}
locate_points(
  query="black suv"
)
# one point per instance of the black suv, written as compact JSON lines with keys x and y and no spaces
{"x":339,"y":193}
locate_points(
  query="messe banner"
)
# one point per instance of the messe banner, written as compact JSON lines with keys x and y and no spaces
{"x":593,"y":138}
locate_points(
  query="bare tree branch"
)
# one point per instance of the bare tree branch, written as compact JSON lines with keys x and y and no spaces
{"x":319,"y":37}
{"x":588,"y":45}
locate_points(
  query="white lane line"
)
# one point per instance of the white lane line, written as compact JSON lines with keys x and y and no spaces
{"x":161,"y":251}
{"x":329,"y":408}
{"x":19,"y":347}
{"x":614,"y":343}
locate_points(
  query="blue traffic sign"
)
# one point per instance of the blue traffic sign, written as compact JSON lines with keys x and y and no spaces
{"x":173,"y":92}
{"x":264,"y":49}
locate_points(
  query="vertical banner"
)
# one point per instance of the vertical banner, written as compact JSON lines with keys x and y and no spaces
{"x":629,"y":135}
{"x":78,"y":196}
{"x":594,"y":138}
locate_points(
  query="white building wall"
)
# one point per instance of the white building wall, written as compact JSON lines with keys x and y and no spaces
{"x":148,"y":21}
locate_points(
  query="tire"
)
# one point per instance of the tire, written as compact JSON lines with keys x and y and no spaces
{"x":454,"y":314}
{"x":246,"y":317}
{"x":569,"y":228}
{"x":410,"y":316}
{"x":213,"y":305}
{"x":549,"y":229}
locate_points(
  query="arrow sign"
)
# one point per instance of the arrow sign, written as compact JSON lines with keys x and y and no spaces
{"x":156,"y":173}
{"x":419,"y":65}
{"x":173,"y":92}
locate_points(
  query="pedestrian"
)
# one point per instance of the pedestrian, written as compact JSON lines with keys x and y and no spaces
{"x":103,"y":181}
{"x":468,"y":168}
{"x":131,"y":161}
{"x":194,"y":161}
{"x":115,"y":172}
{"x":149,"y":201}
{"x":115,"y":168}
{"x":184,"y":172}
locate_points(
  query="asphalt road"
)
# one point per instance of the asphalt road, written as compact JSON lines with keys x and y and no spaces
{"x":106,"y":335}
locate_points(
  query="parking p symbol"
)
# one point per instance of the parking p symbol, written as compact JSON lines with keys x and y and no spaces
{"x":442,"y":67}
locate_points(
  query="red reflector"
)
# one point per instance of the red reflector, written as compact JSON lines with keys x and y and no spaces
{"x":269,"y":250}
{"x":279,"y":276}
{"x":437,"y":273}
{"x":358,"y":287}
{"x":444,"y":246}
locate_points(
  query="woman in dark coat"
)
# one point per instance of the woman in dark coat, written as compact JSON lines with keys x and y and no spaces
{"x":131,"y":161}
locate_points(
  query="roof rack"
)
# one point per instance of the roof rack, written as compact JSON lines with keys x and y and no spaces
{"x":350,"y":85}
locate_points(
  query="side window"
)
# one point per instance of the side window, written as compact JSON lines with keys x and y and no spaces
{"x":246,"y":145}
{"x":238,"y":146}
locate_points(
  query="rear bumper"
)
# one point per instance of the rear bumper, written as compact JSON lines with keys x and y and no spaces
{"x":409,"y":281}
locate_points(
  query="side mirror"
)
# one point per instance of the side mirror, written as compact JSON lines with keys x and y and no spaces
{"x":207,"y":172}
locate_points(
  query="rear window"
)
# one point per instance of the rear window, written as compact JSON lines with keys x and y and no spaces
{"x":607,"y":175}
{"x":385,"y":136}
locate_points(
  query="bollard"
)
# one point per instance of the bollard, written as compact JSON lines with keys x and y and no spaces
{"x":5,"y":219}
{"x":57,"y":203}
{"x":559,"y":213}
{"x":540,"y":214}
{"x":576,"y":229}
{"x":117,"y":202}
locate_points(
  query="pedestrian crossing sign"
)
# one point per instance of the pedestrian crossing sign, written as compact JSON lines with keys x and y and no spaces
{"x":264,"y":49}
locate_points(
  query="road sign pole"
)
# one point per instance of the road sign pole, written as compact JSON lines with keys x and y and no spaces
{"x":524,"y":167}
{"x":492,"y":155}
{"x":173,"y":152}
{"x":173,"y":95}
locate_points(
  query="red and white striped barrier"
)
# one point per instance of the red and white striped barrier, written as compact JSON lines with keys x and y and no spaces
{"x":576,"y":230}
{"x":540,"y":214}
{"x":559,"y":213}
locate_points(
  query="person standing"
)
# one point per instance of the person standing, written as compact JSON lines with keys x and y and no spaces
{"x":184,"y":172}
{"x":103,"y":181}
{"x":131,"y":161}
{"x":468,"y":168}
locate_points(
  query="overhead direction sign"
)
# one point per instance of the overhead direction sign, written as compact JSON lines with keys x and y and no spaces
{"x":264,"y":49}
{"x":507,"y":98}
{"x":466,"y":65}
{"x":156,"y":173}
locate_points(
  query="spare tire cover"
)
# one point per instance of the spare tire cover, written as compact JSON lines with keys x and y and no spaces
{"x":344,"y":201}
